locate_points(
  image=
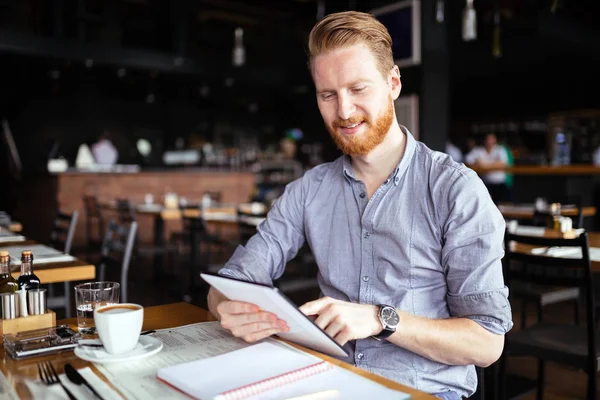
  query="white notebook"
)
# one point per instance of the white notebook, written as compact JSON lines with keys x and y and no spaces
{"x":269,"y":370}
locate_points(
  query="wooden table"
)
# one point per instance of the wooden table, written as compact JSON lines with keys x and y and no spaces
{"x":76,"y":270}
{"x":593,"y":240}
{"x":526,"y":211}
{"x":159,"y":317}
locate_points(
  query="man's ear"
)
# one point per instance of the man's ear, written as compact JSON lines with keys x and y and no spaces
{"x":395,"y":82}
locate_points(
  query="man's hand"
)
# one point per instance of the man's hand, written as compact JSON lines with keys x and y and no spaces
{"x":344,"y":321}
{"x":248,"y":322}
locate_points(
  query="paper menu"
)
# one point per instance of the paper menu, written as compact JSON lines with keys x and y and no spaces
{"x":137,"y":379}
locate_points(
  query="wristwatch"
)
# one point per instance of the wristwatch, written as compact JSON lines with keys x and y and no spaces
{"x":389,"y":318}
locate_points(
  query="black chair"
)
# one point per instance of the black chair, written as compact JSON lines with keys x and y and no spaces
{"x":544,"y":295}
{"x":125,"y":211}
{"x":196,"y":239}
{"x":61,"y":238}
{"x":576,"y":346}
{"x":116,"y":252}
{"x":94,"y":218}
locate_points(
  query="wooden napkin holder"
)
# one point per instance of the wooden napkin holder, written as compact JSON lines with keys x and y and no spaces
{"x":20,"y":324}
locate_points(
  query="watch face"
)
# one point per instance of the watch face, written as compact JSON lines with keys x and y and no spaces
{"x":390,"y":316}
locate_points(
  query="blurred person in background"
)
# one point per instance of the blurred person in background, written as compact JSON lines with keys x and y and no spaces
{"x":454,"y":152}
{"x":494,"y":157}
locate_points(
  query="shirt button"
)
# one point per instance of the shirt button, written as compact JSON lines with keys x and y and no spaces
{"x":366,"y":278}
{"x":362,"y":195}
{"x":360,"y":356}
{"x":366,"y":235}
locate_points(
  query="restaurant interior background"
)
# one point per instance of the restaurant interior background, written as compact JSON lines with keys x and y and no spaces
{"x":206,"y":97}
{"x":164,"y":71}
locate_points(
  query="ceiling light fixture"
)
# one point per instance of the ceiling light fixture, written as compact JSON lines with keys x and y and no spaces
{"x":469,"y":22}
{"x":239,"y":52}
{"x":439,"y":11}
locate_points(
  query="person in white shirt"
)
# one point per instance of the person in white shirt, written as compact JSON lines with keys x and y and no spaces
{"x":104,"y":151}
{"x":491,"y":156}
{"x":454,"y":152}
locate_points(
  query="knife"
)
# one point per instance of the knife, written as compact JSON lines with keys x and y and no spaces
{"x":75,"y":377}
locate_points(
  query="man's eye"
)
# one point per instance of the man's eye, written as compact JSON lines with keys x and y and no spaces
{"x":328,"y":96}
{"x":359,"y":89}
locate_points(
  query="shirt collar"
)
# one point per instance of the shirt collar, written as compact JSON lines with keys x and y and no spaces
{"x":402,"y":165}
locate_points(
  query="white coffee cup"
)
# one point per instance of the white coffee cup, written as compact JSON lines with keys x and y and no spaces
{"x":119,"y":326}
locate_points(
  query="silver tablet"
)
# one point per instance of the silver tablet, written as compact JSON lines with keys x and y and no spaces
{"x":302,"y":331}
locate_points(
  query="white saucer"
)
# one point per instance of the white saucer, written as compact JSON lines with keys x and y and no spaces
{"x":146,"y":346}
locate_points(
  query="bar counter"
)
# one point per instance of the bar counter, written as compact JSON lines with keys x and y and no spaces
{"x":234,"y":186}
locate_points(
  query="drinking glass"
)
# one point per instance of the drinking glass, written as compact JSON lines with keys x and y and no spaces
{"x":89,"y":296}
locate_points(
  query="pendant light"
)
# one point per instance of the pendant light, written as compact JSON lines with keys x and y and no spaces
{"x":239,"y":52}
{"x":469,"y":22}
{"x":496,"y":40}
{"x":439,"y":11}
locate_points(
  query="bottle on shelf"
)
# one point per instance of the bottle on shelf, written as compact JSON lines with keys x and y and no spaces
{"x":8,"y":284}
{"x":27,"y":280}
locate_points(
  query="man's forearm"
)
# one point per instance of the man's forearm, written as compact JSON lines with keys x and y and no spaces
{"x":454,"y":341}
{"x":214,"y":299}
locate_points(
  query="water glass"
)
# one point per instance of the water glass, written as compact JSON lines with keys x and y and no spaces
{"x":89,"y":296}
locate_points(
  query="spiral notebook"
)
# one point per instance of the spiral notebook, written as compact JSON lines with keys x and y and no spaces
{"x":269,"y":370}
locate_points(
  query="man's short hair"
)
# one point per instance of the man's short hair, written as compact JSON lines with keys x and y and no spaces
{"x":347,"y":29}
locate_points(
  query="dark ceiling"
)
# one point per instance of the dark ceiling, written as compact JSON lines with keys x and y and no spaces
{"x":184,"y":47}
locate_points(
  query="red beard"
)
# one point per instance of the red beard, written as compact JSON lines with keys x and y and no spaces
{"x":361,"y":144}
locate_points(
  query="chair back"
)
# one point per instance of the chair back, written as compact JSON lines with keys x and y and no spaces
{"x":63,"y":231}
{"x":91,"y":206}
{"x":116,"y":251}
{"x":93,"y":212}
{"x":5,"y":220}
{"x":125,"y":211}
{"x":548,"y":266}
{"x":247,"y":229}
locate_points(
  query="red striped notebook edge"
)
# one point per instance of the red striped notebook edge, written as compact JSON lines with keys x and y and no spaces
{"x":264,"y":385}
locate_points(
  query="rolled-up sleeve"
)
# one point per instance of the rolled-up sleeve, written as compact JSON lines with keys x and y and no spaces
{"x":472,"y":254}
{"x":277,"y":240}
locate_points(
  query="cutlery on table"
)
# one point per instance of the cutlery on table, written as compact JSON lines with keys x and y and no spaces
{"x":75,"y":377}
{"x":49,"y":376}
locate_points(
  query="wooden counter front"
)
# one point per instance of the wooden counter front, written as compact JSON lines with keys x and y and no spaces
{"x":235,"y":187}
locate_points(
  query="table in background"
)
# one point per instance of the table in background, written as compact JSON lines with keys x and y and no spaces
{"x":62,"y":271}
{"x":158,"y":317}
{"x":526,"y":211}
{"x":593,"y":240}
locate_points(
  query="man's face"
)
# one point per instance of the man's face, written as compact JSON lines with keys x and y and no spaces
{"x":356,"y":102}
{"x":490,"y":142}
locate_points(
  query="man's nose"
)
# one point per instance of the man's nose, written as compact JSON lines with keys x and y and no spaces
{"x":345,"y":107}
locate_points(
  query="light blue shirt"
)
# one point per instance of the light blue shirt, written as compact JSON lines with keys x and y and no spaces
{"x":428,"y":242}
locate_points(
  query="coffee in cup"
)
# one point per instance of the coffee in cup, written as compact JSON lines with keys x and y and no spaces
{"x":119,"y":326}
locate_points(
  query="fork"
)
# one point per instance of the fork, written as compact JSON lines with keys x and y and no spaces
{"x":49,"y":376}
